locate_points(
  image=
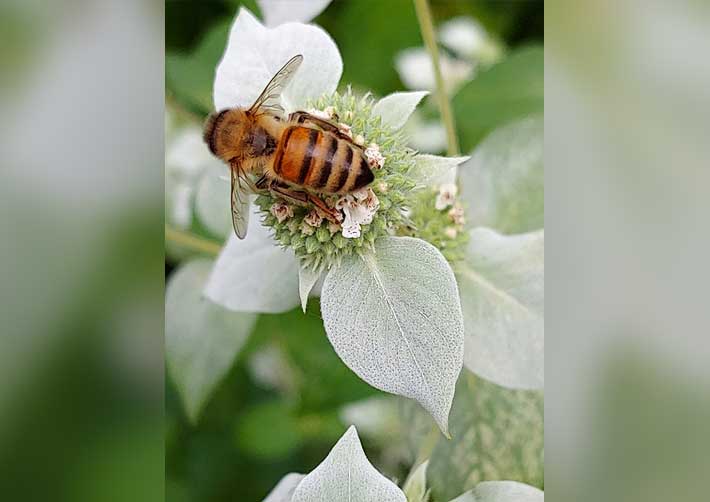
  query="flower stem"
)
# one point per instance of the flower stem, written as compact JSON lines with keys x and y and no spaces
{"x":426,"y":26}
{"x":191,"y":241}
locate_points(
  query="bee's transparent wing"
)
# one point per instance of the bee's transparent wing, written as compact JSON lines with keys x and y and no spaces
{"x":269,"y":100}
{"x":240,"y":203}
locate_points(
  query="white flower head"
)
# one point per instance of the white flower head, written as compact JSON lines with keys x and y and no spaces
{"x":447,"y":196}
{"x":358,"y":209}
{"x":326,"y":114}
{"x":307,"y":229}
{"x":359,"y":139}
{"x":346,"y":129}
{"x":281,"y":211}
{"x":374,"y":158}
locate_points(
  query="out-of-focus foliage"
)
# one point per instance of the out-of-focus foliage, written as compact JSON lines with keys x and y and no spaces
{"x":288,"y":398}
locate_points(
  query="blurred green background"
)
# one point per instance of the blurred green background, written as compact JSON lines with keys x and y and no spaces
{"x":281,"y":408}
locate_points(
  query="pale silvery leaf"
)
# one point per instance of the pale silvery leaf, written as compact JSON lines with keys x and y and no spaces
{"x":503,"y":183}
{"x":178,"y":198}
{"x":276,"y":12}
{"x":433,"y":170}
{"x":415,"y":485}
{"x":346,"y":474}
{"x":307,"y":278}
{"x":283,"y":491}
{"x":187,"y":154}
{"x":394,"y":318}
{"x":502,"y":491}
{"x":416,"y":71}
{"x":255,"y":53}
{"x":498,"y":435}
{"x":254,"y":274}
{"x":212,"y":202}
{"x":502,"y":289}
{"x":396,"y":108}
{"x":201,"y":339}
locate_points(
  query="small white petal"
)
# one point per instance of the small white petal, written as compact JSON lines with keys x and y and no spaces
{"x":463,"y":35}
{"x":254,"y":275}
{"x":255,"y":53}
{"x":283,"y":491}
{"x":276,"y":12}
{"x":347,"y":475}
{"x":396,"y":108}
{"x":212,"y":202}
{"x":307,"y":278}
{"x":416,"y":71}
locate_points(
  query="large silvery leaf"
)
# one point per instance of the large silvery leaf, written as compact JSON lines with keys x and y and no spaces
{"x":201,"y":339}
{"x":254,"y":275}
{"x":283,"y":491}
{"x":347,"y":475}
{"x":255,"y":53}
{"x":394,"y":318}
{"x":212,"y":202}
{"x":503,"y":182}
{"x":502,"y":289}
{"x":498,"y":434}
{"x":502,"y":491}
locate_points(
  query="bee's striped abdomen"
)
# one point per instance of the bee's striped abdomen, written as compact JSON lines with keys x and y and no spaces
{"x":321,"y":161}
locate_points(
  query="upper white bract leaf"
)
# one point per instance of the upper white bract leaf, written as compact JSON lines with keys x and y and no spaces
{"x":212,"y":202}
{"x":347,"y":475}
{"x":434,"y":170}
{"x":396,"y":108}
{"x":503,"y":183}
{"x":276,"y":12}
{"x":255,"y":53}
{"x":503,"y":296}
{"x":307,"y":278}
{"x":502,"y":491}
{"x":395,"y":319}
{"x":254,"y":275}
{"x":283,"y":491}
{"x":415,"y":486}
{"x":201,"y":338}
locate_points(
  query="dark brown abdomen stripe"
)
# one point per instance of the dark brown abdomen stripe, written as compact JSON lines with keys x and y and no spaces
{"x":307,"y":161}
{"x":280,"y":151}
{"x":328,"y":162}
{"x":364,"y":176}
{"x":344,"y":169}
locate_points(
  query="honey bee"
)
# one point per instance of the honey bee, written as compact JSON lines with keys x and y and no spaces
{"x":298,"y":158}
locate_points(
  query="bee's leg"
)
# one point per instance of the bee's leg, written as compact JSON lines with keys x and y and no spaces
{"x":262,"y":183}
{"x":294,"y":196}
{"x":326,"y":125}
{"x":303,"y":198}
{"x":329,"y":213}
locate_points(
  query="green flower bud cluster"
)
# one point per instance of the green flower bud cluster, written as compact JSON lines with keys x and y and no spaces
{"x":438,"y":227}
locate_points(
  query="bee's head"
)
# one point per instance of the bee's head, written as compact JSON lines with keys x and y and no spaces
{"x":225,"y":130}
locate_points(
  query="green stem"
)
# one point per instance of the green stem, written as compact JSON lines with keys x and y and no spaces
{"x":191,"y":241}
{"x":426,"y":25}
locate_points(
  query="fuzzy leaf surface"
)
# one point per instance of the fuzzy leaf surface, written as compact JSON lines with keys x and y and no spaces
{"x":502,"y":491}
{"x":394,"y":317}
{"x":347,"y":475}
{"x":255,"y":53}
{"x":503,"y":182}
{"x":201,"y":339}
{"x":497,"y":434}
{"x":396,"y":108}
{"x":283,"y":491}
{"x":502,"y":284}
{"x":254,"y":275}
{"x":276,"y":12}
